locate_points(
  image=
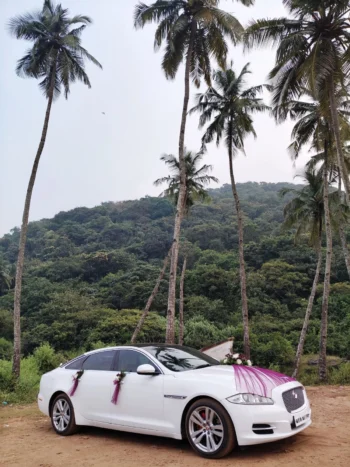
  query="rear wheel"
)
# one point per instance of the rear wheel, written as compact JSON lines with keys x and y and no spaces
{"x":209,"y":429}
{"x":62,"y":416}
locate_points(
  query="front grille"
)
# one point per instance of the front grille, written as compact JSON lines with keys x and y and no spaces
{"x":294,"y":399}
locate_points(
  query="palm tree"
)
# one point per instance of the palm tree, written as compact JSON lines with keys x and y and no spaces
{"x":57,"y":59}
{"x":334,"y":176}
{"x":196,"y":180}
{"x":314,"y":129}
{"x":230,"y":103}
{"x":305,"y":212}
{"x":313,"y":51}
{"x":193,"y":31}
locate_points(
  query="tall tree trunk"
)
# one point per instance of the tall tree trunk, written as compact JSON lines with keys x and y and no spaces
{"x":246,"y":343}
{"x":308,"y":310}
{"x":170,"y":328}
{"x":16,"y":365}
{"x":339,"y":145}
{"x":322,"y":363}
{"x":344,"y":245}
{"x":342,"y":233}
{"x":181,"y":309}
{"x":150,"y":299}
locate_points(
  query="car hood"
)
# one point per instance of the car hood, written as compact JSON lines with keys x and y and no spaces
{"x":221,"y":372}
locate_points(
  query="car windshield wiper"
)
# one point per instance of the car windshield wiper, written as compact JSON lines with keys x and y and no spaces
{"x":202,"y":366}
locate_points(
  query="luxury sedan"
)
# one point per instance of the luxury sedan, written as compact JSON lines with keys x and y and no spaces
{"x":171,"y":391}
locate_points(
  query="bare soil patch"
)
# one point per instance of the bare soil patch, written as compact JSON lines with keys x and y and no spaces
{"x":27,"y":440}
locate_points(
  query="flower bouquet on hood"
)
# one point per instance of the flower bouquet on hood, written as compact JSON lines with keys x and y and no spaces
{"x":236,"y":359}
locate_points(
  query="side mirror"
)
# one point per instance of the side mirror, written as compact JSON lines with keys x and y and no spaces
{"x":146,"y":369}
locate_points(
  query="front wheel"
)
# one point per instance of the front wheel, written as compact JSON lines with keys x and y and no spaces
{"x":209,"y":429}
{"x":62,"y":416}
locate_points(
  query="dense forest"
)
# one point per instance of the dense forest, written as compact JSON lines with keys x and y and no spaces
{"x":90,"y":271}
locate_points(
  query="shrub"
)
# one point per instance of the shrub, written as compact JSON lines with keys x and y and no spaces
{"x":200,"y":333}
{"x":6,"y":349}
{"x":46,"y":358}
{"x":28,"y":385}
{"x":340,"y":375}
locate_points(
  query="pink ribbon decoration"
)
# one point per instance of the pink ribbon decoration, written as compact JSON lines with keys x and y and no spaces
{"x":76,"y":380}
{"x":74,"y":387}
{"x":258,"y":381}
{"x":116,"y":391}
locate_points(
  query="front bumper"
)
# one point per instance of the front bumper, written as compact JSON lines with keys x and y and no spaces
{"x":246,"y":417}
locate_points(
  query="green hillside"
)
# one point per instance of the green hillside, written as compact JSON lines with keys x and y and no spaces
{"x":88,"y":271}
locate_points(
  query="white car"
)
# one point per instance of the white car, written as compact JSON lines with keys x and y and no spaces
{"x":171,"y":391}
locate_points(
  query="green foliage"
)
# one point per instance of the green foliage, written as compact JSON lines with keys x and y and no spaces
{"x":203,"y":22}
{"x":56,"y":40}
{"x":93,"y":293}
{"x":340,"y":375}
{"x":197,"y":179}
{"x":119,"y":327}
{"x":46,"y":358}
{"x":6,"y":349}
{"x":27,"y":387}
{"x":199,"y":333}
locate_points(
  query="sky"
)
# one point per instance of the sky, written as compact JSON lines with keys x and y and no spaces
{"x":104,"y":143}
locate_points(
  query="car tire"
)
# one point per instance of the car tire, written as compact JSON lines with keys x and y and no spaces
{"x":62,"y":416}
{"x":209,"y":429}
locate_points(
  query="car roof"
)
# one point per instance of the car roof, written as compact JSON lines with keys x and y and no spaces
{"x":177,"y":346}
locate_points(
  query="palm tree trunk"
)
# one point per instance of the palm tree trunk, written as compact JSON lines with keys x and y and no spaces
{"x":170,"y":329}
{"x":181,"y":309}
{"x":338,"y":141}
{"x":150,"y":299}
{"x":16,"y":365}
{"x":308,"y":311}
{"x":246,"y":343}
{"x":342,"y":233}
{"x":322,"y":363}
{"x":344,"y":245}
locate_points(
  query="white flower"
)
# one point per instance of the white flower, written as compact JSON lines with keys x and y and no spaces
{"x":225,"y":360}
{"x":239,"y":361}
{"x":249,"y":363}
{"x":236,"y":355}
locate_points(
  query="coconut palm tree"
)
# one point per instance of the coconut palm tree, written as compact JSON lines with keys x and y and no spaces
{"x":313,"y":51}
{"x":314,"y":129}
{"x":196,"y":180}
{"x":193,"y":32}
{"x":334,"y":176}
{"x":56,"y":58}
{"x":231,"y":104}
{"x":305,"y":212}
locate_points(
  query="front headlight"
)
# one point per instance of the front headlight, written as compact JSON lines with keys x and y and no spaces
{"x":250,"y":399}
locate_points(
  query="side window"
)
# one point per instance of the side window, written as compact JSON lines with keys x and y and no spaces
{"x":130,"y":360}
{"x":76,"y":364}
{"x":100,"y":361}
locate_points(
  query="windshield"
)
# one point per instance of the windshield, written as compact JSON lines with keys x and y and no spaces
{"x":181,"y":358}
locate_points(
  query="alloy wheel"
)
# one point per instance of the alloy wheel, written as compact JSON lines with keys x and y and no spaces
{"x":206,"y":429}
{"x":61,"y":415}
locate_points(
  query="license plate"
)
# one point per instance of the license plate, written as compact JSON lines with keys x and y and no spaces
{"x":301,"y":419}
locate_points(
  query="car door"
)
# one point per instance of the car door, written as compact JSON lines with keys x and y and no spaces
{"x":141,"y":397}
{"x":93,"y":396}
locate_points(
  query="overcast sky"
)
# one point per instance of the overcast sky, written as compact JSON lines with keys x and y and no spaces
{"x":91,"y":157}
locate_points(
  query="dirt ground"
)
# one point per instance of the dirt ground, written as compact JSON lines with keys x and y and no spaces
{"x":27,"y":440}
